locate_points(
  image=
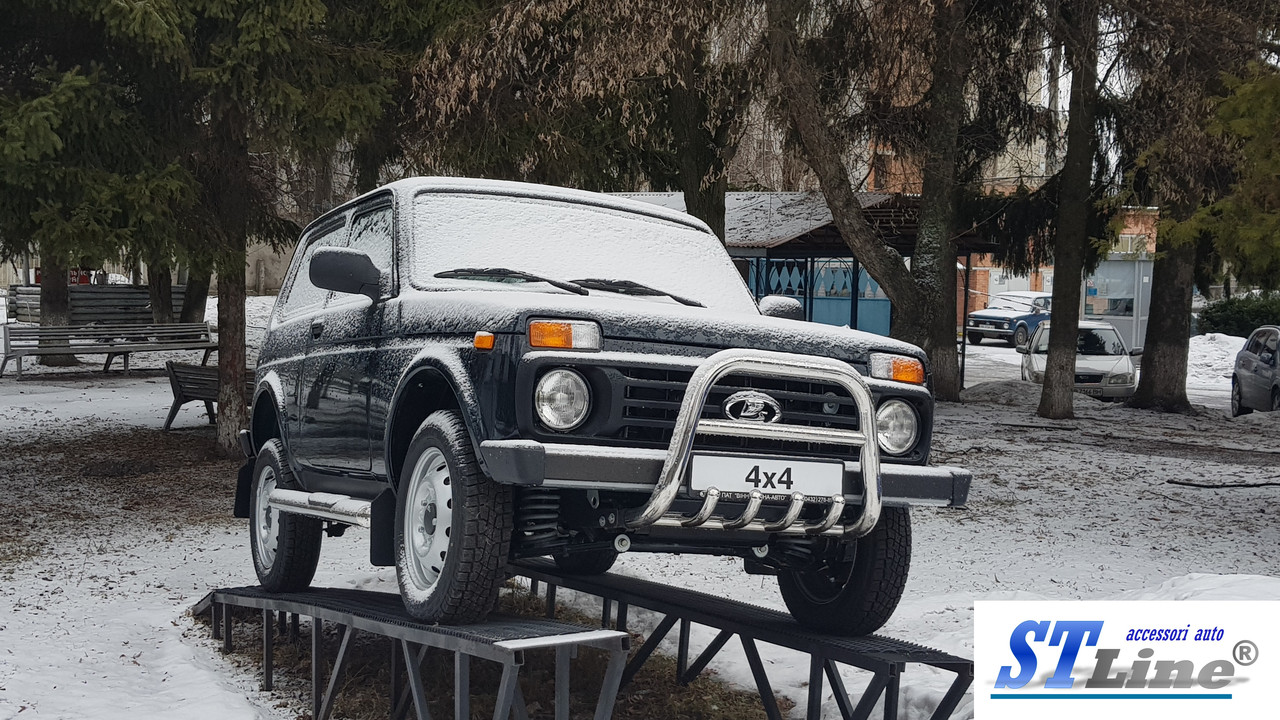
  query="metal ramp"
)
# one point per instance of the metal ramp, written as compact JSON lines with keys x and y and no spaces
{"x":501,"y":639}
{"x":885,"y":657}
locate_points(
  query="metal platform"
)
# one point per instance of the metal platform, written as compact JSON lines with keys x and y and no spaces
{"x":501,"y":639}
{"x":885,"y":657}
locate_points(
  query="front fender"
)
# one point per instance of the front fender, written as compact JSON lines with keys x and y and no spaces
{"x":443,"y":362}
{"x":269,"y":390}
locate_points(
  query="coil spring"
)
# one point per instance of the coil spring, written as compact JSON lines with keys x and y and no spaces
{"x":537,"y":515}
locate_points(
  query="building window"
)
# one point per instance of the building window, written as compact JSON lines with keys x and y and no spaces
{"x":1130,"y":243}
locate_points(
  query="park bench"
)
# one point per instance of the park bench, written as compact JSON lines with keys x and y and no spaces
{"x":197,"y":382}
{"x":110,"y":340}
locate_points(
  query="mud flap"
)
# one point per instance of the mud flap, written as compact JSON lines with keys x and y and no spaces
{"x":382,"y":529}
{"x":244,"y":482}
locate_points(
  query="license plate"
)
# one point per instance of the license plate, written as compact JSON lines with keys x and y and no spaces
{"x":1093,"y":392}
{"x":770,"y":476}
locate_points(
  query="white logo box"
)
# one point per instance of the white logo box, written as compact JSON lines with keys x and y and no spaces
{"x":1132,"y":659}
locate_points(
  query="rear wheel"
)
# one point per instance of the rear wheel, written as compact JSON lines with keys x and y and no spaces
{"x":453,"y":526}
{"x":1237,"y":400}
{"x":858,"y":597}
{"x":1275,"y":400}
{"x":975,"y":338}
{"x":286,"y":547}
{"x":587,"y":562}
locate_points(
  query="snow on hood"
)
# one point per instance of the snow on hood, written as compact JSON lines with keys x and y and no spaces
{"x":1001,"y":313}
{"x":506,"y":309}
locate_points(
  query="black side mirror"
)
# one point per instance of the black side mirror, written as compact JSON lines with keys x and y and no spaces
{"x":1267,"y":358}
{"x":346,"y":271}
{"x":1136,"y":352}
{"x":1023,"y":349}
{"x":781,"y":306}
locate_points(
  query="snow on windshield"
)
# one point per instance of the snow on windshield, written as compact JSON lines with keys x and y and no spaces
{"x":570,"y":241}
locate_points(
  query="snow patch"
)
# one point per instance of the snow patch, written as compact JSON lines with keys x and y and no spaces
{"x":1211,"y":358}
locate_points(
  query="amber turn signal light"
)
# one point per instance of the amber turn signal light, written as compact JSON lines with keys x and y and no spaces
{"x":564,"y":334}
{"x":483,"y":340}
{"x":897,"y":367}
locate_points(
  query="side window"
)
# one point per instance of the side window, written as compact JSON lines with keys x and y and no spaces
{"x":301,"y":293}
{"x":1254,"y":345}
{"x":1270,"y":341}
{"x":371,"y":233}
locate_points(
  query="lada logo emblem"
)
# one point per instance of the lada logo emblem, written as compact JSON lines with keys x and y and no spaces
{"x":752,"y":406}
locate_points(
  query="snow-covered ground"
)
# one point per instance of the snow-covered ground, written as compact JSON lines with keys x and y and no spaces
{"x":95,"y":625}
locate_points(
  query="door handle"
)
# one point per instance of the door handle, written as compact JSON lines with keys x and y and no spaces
{"x":317,"y":329}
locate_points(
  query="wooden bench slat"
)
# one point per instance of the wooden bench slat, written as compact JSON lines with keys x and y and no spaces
{"x":109,"y":340}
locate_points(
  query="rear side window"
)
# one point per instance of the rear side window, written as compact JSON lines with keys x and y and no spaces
{"x":301,"y":294}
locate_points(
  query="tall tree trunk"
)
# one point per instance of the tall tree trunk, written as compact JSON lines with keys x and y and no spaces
{"x":933,"y":263}
{"x":1163,"y":383}
{"x":233,"y":413}
{"x":160,"y":290}
{"x":1074,"y":206}
{"x":197,"y":294}
{"x":699,"y":163}
{"x":55,"y":305}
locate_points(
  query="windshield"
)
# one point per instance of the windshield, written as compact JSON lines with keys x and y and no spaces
{"x":1004,"y":302}
{"x":568,"y":241}
{"x":1091,"y":341}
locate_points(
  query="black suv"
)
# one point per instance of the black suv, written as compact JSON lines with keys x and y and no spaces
{"x":482,"y":371}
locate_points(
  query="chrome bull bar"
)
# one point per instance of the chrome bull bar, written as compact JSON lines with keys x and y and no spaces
{"x":689,"y":423}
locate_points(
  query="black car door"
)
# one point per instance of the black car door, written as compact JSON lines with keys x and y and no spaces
{"x":288,"y":338}
{"x":337,"y":374}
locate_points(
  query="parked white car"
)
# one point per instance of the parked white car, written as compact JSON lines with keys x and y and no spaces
{"x":1104,"y":366}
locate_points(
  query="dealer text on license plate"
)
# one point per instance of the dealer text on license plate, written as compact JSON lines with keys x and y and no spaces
{"x":769,"y":476}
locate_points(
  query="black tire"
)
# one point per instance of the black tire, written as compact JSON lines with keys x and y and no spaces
{"x":855,"y":598}
{"x":1237,"y":400}
{"x":285,"y":546}
{"x":1275,"y":400}
{"x":1019,"y":336}
{"x":447,"y":576}
{"x":976,"y":338}
{"x":587,"y":562}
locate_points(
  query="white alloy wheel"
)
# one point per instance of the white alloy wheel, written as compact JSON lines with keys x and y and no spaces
{"x":428,"y":520}
{"x":266,"y":519}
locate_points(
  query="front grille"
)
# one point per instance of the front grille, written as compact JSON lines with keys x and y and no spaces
{"x":652,"y":396}
{"x":1088,"y":378}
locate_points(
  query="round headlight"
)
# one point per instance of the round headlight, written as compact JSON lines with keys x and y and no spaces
{"x":896,"y":427}
{"x":562,"y":399}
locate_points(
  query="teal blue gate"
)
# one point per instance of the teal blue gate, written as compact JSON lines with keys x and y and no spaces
{"x":824,"y":286}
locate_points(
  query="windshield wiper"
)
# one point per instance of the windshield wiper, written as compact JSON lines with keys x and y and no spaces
{"x":631,"y":287}
{"x":501,"y":274}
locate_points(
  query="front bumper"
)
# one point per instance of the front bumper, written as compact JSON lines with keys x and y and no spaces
{"x":664,"y":473}
{"x":994,"y":331}
{"x":621,"y":469}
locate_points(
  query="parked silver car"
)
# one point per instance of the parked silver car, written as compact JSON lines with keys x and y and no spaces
{"x":1104,"y":368}
{"x":1255,"y":382}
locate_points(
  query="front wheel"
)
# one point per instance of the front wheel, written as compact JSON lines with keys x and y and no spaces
{"x":975,"y":338}
{"x":453,"y":526}
{"x":286,"y":547}
{"x":1019,"y":336}
{"x":858,"y":597}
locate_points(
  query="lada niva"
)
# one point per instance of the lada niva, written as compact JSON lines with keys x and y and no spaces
{"x":484,"y":371}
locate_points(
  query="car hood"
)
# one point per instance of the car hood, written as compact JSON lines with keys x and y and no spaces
{"x":625,"y":319}
{"x":1105,"y":364}
{"x":1000,"y":314}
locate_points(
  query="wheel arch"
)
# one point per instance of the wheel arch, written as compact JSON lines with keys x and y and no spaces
{"x":267,"y":411}
{"x":429,"y":385}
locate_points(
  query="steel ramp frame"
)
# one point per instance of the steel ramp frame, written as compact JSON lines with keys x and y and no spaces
{"x":501,"y":639}
{"x":885,"y":658}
